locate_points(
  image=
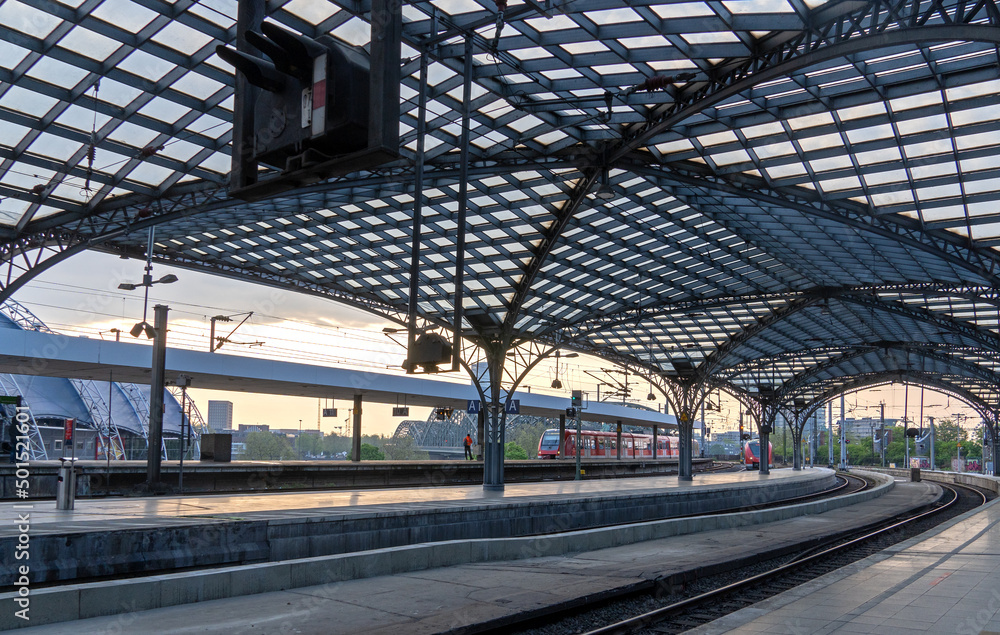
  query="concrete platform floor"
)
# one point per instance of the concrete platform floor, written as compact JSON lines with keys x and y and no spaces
{"x":131,"y":513}
{"x":944,"y":581}
{"x":438,"y":600}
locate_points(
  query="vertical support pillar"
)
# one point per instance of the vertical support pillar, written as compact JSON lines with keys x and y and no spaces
{"x":829,"y":434}
{"x":655,"y":440}
{"x":797,"y":441}
{"x":562,"y":435}
{"x":418,"y":210}
{"x":481,"y":432}
{"x":933,"y":464}
{"x":356,"y":440}
{"x":813,"y":440}
{"x":154,"y":438}
{"x":995,"y":438}
{"x":578,"y":448}
{"x":765,"y":442}
{"x":843,"y":437}
{"x":701,"y":445}
{"x":463,"y":197}
{"x":618,"y":443}
{"x":684,"y":429}
{"x":496,"y":418}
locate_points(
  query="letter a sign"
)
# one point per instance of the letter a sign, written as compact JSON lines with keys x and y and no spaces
{"x":513,"y":407}
{"x":473,"y":407}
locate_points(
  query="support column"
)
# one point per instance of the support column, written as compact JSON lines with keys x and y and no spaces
{"x":496,"y":418}
{"x":798,"y":428}
{"x":481,"y":432}
{"x":797,"y":444}
{"x":685,"y":432}
{"x":687,"y":393}
{"x":765,"y":410}
{"x":881,"y":435}
{"x":765,"y":452}
{"x":701,"y":444}
{"x":356,"y":441}
{"x":995,"y":438}
{"x":655,"y":441}
{"x":154,"y":438}
{"x":562,"y":435}
{"x":843,"y":438}
{"x":463,"y":197}
{"x":618,"y":443}
{"x":933,"y":464}
{"x":829,"y":433}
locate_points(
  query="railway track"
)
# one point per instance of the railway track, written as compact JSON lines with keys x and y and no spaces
{"x":659,"y":610}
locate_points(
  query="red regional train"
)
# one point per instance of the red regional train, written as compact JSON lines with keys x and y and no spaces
{"x":751,"y":454}
{"x":596,"y":444}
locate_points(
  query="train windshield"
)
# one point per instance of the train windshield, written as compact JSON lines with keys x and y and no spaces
{"x":550,"y":440}
{"x":755,"y":448}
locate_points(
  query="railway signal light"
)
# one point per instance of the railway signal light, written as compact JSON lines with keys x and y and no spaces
{"x":576,"y":399}
{"x":745,"y":437}
{"x":571,"y":412}
{"x":312,"y":108}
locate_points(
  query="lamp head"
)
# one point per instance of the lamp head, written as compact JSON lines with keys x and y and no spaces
{"x":143,"y":327}
{"x":167,"y":279}
{"x":127,"y":286}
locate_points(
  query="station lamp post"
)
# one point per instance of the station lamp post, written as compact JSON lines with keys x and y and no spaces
{"x":555,"y":382}
{"x":158,"y":333}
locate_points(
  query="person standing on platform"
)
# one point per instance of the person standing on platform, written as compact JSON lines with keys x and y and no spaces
{"x":468,"y":447}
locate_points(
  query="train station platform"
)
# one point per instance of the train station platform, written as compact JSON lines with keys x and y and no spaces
{"x":125,"y":478}
{"x":528,"y":576}
{"x":114,"y":536}
{"x":946,"y":580}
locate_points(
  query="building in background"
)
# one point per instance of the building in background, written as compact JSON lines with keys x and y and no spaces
{"x":220,"y":415}
{"x":110,"y":419}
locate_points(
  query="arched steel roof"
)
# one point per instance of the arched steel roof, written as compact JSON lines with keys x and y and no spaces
{"x":817,"y":202}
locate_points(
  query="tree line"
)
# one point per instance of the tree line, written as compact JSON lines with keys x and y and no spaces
{"x":861,"y":449}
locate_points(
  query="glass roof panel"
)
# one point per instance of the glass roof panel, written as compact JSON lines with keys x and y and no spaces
{"x":731,"y":190}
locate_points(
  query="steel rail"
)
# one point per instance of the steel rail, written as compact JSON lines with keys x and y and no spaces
{"x":646,"y":619}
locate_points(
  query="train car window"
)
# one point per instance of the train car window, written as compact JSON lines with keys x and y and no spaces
{"x":550,"y":440}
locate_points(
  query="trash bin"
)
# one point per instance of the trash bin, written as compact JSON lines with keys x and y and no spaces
{"x":66,"y":484}
{"x":915,"y":474}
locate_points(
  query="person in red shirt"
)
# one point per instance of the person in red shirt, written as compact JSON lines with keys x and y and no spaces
{"x":468,"y":447}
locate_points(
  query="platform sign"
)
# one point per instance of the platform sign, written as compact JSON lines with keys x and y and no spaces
{"x":474,"y":407}
{"x":513,"y":407}
{"x":329,"y":412}
{"x":12,"y":400}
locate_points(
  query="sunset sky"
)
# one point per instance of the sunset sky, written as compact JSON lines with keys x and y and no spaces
{"x":81,"y":297}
